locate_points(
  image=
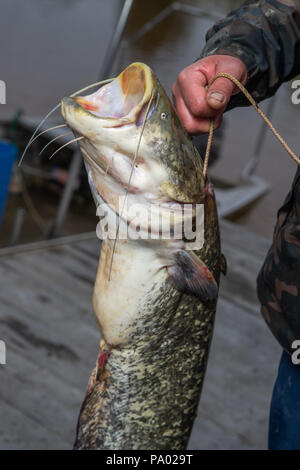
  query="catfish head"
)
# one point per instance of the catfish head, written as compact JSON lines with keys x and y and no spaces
{"x":134,"y":143}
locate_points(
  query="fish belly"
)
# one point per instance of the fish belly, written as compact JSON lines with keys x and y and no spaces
{"x":126,"y":290}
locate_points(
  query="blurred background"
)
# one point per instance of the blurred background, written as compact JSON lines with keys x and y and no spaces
{"x":49,"y":49}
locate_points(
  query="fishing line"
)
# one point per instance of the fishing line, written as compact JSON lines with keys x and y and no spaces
{"x":260,"y":112}
{"x":32,"y":210}
{"x":32,"y":138}
{"x":130,"y":176}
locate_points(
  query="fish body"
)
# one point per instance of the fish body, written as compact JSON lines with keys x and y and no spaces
{"x":154,"y":299}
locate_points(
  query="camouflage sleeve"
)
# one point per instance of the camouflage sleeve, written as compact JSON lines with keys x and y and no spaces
{"x":278,"y":283}
{"x":265,"y":35}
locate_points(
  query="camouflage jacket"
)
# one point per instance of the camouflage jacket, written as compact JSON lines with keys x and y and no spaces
{"x":265,"y":35}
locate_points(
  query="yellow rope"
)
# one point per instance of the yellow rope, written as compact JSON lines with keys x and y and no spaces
{"x":260,"y":112}
{"x":208,"y":147}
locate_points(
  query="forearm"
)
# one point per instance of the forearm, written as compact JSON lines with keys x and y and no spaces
{"x":265,"y":35}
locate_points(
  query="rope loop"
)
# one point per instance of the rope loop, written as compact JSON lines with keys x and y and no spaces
{"x":260,"y":112}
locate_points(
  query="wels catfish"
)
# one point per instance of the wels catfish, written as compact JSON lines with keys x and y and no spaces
{"x":154,"y":299}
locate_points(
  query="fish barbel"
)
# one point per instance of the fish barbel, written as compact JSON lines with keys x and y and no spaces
{"x":154,"y":299}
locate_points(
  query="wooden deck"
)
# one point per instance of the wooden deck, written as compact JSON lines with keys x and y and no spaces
{"x":52,"y":343}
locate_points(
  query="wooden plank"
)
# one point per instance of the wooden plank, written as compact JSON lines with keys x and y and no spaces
{"x":45,"y":244}
{"x":52,"y":341}
{"x":19,"y":432}
{"x":42,"y":311}
{"x":66,"y":350}
{"x":40,"y":396}
{"x":245,"y":253}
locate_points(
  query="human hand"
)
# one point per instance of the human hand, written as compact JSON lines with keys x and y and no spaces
{"x":195,"y":105}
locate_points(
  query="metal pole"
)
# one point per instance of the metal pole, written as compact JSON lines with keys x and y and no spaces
{"x":116,"y":39}
{"x":18,"y":222}
{"x":76,"y":159}
{"x":67,"y":195}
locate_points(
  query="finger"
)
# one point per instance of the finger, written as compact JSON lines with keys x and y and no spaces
{"x":191,"y":86}
{"x":194,"y":125}
{"x":222,"y":89}
{"x":219,"y":93}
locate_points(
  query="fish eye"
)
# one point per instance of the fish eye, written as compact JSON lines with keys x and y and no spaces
{"x":164,"y":115}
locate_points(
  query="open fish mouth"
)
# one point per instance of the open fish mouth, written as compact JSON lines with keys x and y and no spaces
{"x":120,"y":102}
{"x":122,"y":106}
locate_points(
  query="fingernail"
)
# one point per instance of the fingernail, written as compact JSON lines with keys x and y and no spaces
{"x":217,"y":95}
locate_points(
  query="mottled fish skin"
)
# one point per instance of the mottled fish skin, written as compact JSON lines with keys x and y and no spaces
{"x":148,"y":393}
{"x":145,"y":388}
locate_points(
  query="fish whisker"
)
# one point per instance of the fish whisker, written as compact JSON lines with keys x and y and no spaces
{"x":65,"y":145}
{"x":102,"y":82}
{"x":48,"y":130}
{"x":53,"y":140}
{"x":32,"y":138}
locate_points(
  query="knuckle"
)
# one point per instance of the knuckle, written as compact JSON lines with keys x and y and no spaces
{"x":182,"y":76}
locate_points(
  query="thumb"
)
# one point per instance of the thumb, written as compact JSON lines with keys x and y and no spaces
{"x":221,"y":90}
{"x":219,"y":93}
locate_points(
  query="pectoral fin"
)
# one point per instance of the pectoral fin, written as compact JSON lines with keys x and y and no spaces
{"x":192,"y":276}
